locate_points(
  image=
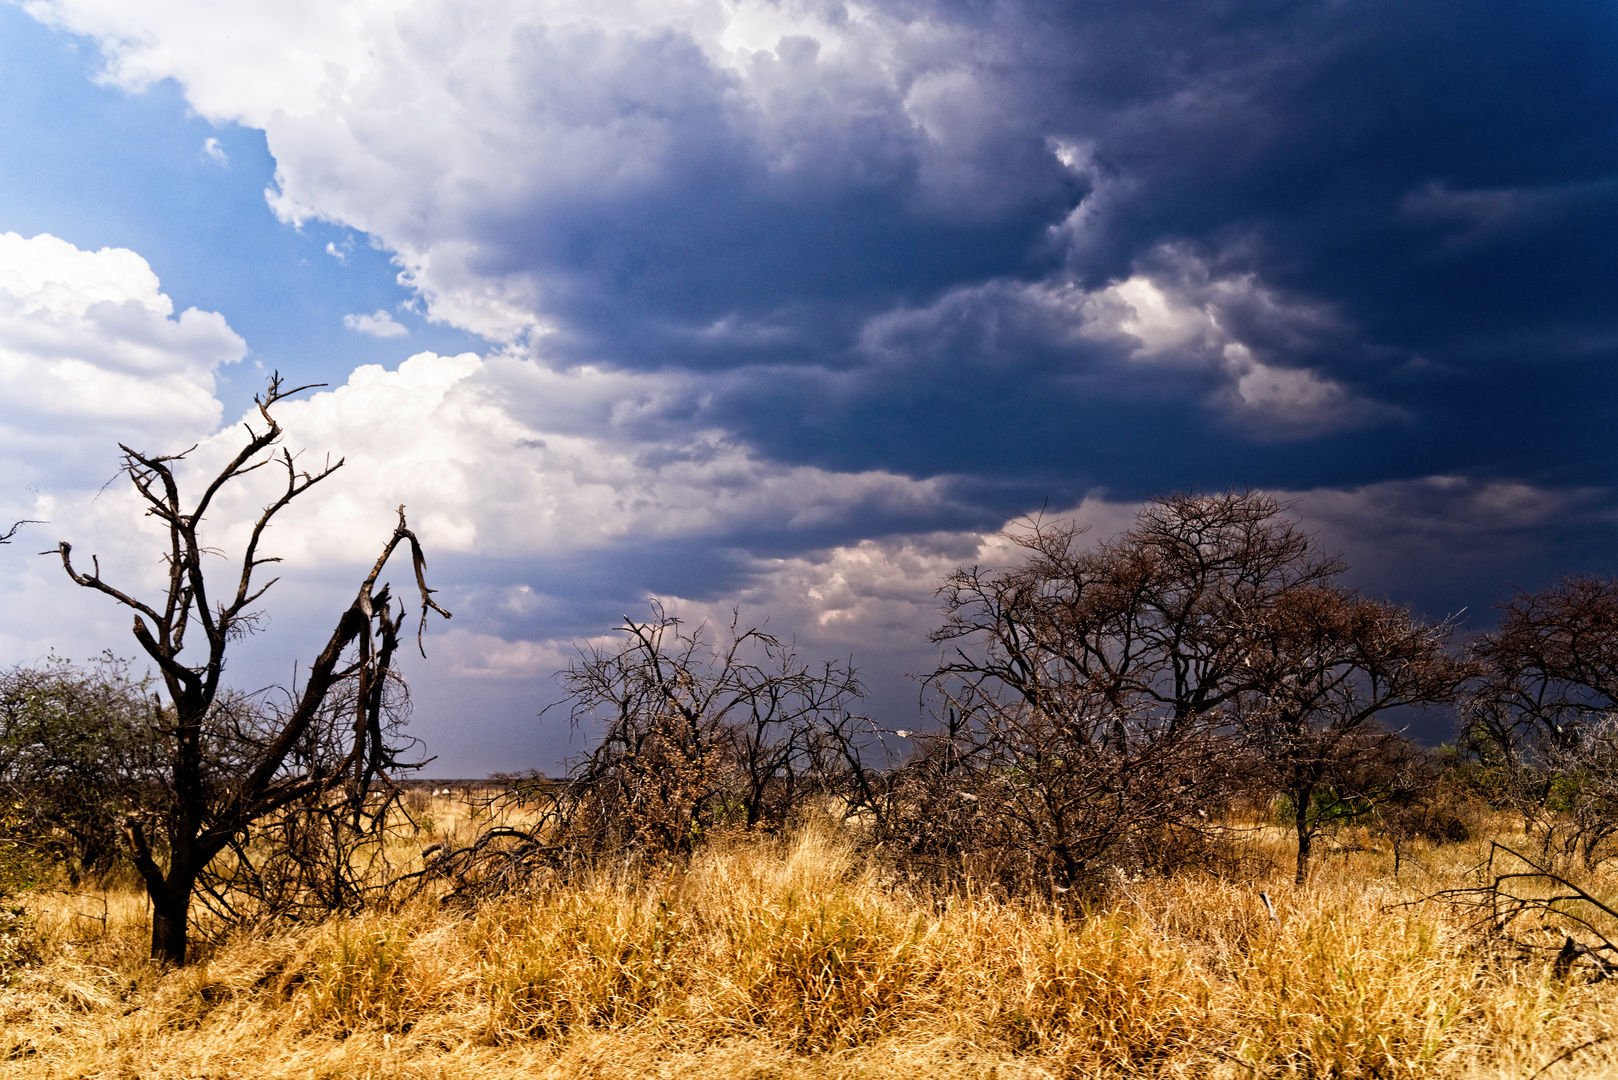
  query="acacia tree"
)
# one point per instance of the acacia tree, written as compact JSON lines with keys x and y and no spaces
{"x":1545,"y":706}
{"x":1088,"y":683}
{"x":1323,"y":664}
{"x":1550,"y":668}
{"x":221,"y":775}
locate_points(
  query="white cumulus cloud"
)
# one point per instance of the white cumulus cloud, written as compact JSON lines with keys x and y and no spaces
{"x":456,"y":136}
{"x":91,"y":354}
{"x":91,"y":351}
{"x":454,"y":439}
{"x":378,"y":324}
{"x":1254,"y":349}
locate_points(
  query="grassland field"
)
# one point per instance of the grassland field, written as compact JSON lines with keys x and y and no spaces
{"x":788,"y":957}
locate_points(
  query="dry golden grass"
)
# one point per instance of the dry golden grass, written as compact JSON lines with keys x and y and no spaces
{"x":789,"y":959}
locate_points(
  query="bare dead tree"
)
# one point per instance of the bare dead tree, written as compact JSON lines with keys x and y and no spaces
{"x":214,"y":789}
{"x":1323,"y":665}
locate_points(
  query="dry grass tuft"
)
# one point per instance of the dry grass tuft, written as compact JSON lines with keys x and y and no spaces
{"x":789,"y":959}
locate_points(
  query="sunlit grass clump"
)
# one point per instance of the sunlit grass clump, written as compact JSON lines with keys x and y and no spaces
{"x":788,"y":957}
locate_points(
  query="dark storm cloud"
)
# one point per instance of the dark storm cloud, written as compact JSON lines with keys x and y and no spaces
{"x":1437,"y":181}
{"x":873,"y":231}
{"x":775,"y":224}
{"x":896,"y":235}
{"x":1441,"y":543}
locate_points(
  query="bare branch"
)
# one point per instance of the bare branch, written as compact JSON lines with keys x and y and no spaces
{"x":5,"y":537}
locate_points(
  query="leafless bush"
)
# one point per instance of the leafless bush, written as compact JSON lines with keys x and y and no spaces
{"x":1573,"y":807}
{"x":1534,"y":911}
{"x":528,"y":835}
{"x":1414,"y":796}
{"x":693,"y":735}
{"x":1009,"y":796}
{"x":326,"y":851}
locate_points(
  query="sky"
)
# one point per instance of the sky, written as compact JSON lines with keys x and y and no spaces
{"x":792,"y":307}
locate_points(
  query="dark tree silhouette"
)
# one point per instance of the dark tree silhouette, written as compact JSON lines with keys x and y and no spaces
{"x":222,"y":775}
{"x":1544,"y":711}
{"x":1550,"y":668}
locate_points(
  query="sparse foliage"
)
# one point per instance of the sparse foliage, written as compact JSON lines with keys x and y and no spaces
{"x":1323,"y":666}
{"x":1152,"y":625}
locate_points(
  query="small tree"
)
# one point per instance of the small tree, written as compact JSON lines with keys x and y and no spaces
{"x":1324,"y":665}
{"x":220,"y":775}
{"x":1550,"y":670}
{"x":76,"y":752}
{"x":1544,"y":707}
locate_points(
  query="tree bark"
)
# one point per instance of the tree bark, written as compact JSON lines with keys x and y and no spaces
{"x":171,"y":912}
{"x":1306,"y":837}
